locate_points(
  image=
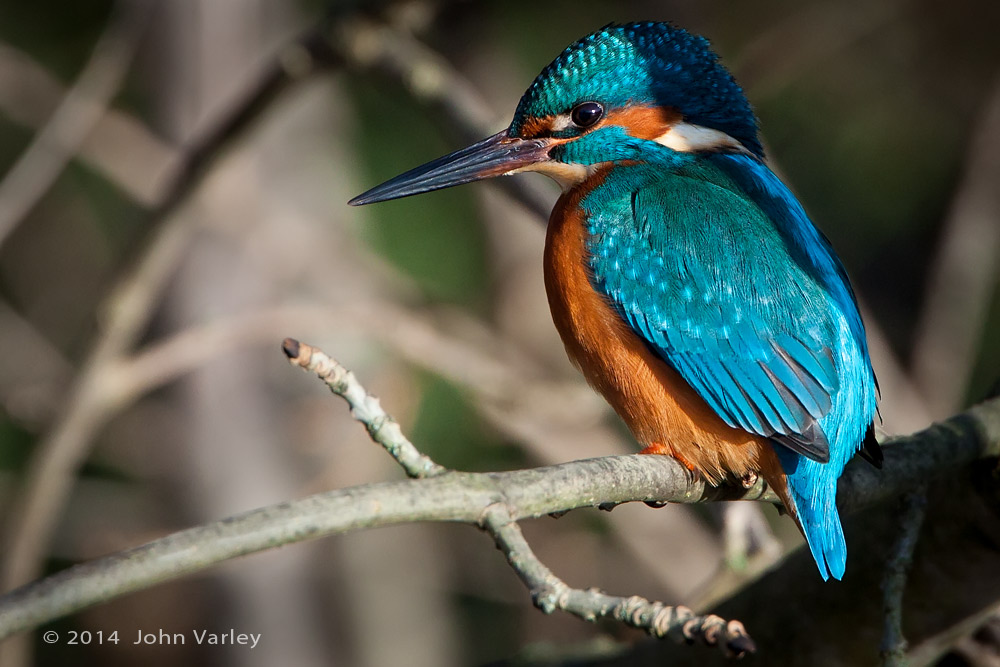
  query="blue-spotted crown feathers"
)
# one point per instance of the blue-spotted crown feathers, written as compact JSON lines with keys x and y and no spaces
{"x":644,"y":63}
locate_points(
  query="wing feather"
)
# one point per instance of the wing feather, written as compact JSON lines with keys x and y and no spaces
{"x":691,"y":284}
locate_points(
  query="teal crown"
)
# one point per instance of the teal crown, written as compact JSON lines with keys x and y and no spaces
{"x":643,"y":63}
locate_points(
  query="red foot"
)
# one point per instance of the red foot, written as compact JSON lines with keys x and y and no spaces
{"x":667,"y":450}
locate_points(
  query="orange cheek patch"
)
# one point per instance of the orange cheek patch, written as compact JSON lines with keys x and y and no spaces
{"x":644,"y":122}
{"x":536,"y":127}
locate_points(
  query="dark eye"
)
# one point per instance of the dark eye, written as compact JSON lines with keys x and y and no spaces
{"x":586,"y":114}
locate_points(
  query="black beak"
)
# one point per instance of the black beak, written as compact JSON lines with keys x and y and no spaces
{"x":490,"y":157}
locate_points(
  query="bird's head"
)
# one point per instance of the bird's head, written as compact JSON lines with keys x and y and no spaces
{"x":646,"y":81}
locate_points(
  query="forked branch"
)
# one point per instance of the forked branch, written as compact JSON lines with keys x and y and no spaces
{"x":548,"y":592}
{"x":494,"y":502}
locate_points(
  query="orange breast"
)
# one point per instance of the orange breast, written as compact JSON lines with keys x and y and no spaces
{"x":656,"y":403}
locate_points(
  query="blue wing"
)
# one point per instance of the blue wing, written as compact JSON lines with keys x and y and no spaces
{"x":706,"y":277}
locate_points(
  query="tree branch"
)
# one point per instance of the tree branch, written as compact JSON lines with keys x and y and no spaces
{"x":453,"y":496}
{"x":468,"y":497}
{"x":951,"y":587}
{"x":549,"y":594}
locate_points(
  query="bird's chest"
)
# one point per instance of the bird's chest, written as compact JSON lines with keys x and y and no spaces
{"x":596,"y":338}
{"x":649,"y":395}
{"x":616,"y":361}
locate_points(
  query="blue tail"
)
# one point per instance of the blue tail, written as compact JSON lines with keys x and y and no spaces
{"x":812,"y":489}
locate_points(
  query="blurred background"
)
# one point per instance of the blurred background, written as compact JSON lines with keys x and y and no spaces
{"x":173,"y":204}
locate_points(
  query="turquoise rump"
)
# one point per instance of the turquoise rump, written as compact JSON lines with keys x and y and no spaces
{"x":685,"y":279}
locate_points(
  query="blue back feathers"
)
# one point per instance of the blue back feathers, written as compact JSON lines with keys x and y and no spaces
{"x":643,"y":63}
{"x":713,"y":263}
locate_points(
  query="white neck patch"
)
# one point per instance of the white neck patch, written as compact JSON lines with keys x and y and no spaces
{"x":687,"y":138}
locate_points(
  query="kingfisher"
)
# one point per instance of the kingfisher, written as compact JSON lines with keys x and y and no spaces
{"x":686,"y":281}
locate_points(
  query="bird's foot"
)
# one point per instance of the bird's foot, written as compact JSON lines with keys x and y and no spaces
{"x":748,"y":480}
{"x":666,"y":450}
{"x":658,"y":448}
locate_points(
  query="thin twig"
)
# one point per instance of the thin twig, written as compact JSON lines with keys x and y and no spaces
{"x":466,"y":497}
{"x":550,"y":593}
{"x":913,"y":507}
{"x":367,"y":409}
{"x":84,"y":105}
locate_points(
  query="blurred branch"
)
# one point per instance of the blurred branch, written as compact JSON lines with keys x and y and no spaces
{"x":749,"y":547}
{"x":492,"y":376}
{"x":432,"y":81}
{"x":957,"y":637}
{"x":468,"y":497}
{"x":31,"y":381}
{"x":964,"y":275}
{"x":94,"y":397}
{"x":119,"y":145}
{"x":83,"y":106}
{"x":815,"y":34}
{"x":911,"y":517}
{"x":745,"y":531}
{"x":982,"y":648}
